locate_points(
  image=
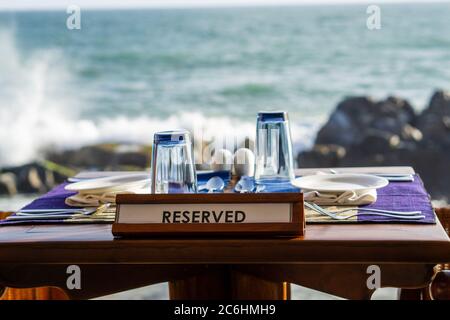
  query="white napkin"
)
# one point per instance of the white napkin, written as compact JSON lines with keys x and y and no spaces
{"x":345,"y":198}
{"x":96,"y":199}
{"x":92,"y":200}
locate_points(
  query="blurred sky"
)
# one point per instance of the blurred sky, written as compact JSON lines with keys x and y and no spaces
{"x":57,"y":4}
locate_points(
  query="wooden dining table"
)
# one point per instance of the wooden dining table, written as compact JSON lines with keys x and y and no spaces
{"x":334,"y":258}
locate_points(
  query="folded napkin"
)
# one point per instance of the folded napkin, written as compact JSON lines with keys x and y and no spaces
{"x":94,"y":200}
{"x":355,"y":198}
{"x":82,"y":199}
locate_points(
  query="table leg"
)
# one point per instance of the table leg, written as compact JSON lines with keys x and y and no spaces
{"x":41,"y":293}
{"x":247,"y":287}
{"x":225,"y":282}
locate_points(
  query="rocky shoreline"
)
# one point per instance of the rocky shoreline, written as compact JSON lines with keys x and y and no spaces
{"x":41,"y":176}
{"x":360,"y":132}
{"x":364,"y":132}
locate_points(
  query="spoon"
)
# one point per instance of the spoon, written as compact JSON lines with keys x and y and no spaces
{"x":214,"y":184}
{"x":245,"y":185}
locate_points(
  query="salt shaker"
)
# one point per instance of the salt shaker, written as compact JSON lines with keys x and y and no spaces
{"x":244,"y":162}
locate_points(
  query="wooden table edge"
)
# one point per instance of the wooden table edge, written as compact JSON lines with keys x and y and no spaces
{"x":231,"y":252}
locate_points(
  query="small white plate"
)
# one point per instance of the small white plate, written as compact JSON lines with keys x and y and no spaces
{"x":340,"y":182}
{"x":119,"y":182}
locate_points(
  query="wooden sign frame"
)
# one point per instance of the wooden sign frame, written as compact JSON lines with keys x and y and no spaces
{"x":294,"y":228}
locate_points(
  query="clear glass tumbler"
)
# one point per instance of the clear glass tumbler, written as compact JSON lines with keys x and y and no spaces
{"x":274,"y":159}
{"x":173,"y":167}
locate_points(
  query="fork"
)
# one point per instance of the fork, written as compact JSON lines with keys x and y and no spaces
{"x":393,"y":212}
{"x":393,"y":177}
{"x":317,"y":208}
{"x":367,"y":210}
{"x":58,"y":212}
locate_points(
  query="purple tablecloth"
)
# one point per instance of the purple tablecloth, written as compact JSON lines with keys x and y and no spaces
{"x":399,"y":196}
{"x":402,"y":196}
{"x":55,"y":199}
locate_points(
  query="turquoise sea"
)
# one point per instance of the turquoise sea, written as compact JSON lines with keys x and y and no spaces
{"x":128,"y":73}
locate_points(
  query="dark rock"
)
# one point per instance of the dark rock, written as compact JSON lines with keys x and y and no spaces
{"x":41,"y":177}
{"x":434,"y":122}
{"x":392,"y":114}
{"x":388,"y":133}
{"x":133,"y":156}
{"x":85,"y":157}
{"x":376,"y":142}
{"x":104,"y":157}
{"x":342,"y":127}
{"x":321,"y":156}
{"x":357,"y":117}
{"x":8,"y":183}
{"x":410,"y":133}
{"x":29,"y":178}
{"x":440,"y":103}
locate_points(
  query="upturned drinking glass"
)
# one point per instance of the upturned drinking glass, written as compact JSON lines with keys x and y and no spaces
{"x":274,"y":159}
{"x":173,"y":167}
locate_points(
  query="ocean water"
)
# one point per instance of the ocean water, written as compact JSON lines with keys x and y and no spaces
{"x":128,"y":73}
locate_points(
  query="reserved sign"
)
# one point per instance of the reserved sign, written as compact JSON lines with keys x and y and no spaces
{"x":205,"y":213}
{"x":209,"y":215}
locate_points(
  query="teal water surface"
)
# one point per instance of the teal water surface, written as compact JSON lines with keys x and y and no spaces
{"x":128,"y":73}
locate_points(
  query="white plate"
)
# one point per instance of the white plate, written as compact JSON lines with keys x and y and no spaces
{"x":120,"y":182}
{"x":340,"y":182}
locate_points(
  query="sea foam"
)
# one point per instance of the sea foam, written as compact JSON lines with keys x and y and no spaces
{"x":40,"y":109}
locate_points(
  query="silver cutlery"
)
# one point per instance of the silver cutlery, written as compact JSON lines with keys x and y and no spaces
{"x":40,"y":217}
{"x":48,"y":214}
{"x":334,"y":216}
{"x":52,"y":215}
{"x":55,"y":212}
{"x":418,"y":217}
{"x":391,"y":212}
{"x":214,"y":184}
{"x":245,"y":185}
{"x":400,"y":213}
{"x":393,"y":177}
{"x":396,"y":178}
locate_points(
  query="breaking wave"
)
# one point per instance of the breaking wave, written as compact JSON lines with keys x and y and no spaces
{"x":39,"y":110}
